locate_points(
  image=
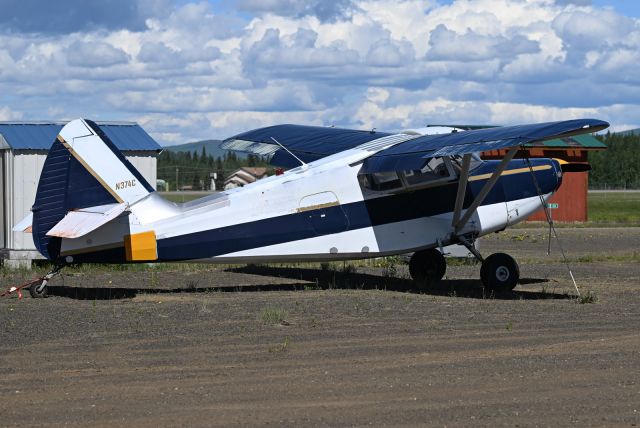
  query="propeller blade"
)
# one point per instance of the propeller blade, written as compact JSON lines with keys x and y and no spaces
{"x":575,"y":167}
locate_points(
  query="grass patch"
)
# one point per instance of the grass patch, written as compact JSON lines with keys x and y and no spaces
{"x":271,"y":315}
{"x":614,"y":207}
{"x":588,"y":297}
{"x":281,"y":347}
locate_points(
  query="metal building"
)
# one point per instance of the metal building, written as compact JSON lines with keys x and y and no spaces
{"x":23,"y":150}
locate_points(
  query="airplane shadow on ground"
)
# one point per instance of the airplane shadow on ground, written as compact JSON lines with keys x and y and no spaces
{"x":335,"y":279}
{"x":319,"y":279}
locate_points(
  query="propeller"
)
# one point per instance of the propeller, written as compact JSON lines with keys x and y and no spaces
{"x":575,"y":167}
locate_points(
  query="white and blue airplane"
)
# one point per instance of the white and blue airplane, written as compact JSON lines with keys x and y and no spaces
{"x":348,"y":194}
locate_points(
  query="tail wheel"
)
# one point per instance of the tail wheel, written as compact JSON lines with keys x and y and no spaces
{"x":38,"y":290}
{"x":427,"y":267}
{"x":499,"y":272}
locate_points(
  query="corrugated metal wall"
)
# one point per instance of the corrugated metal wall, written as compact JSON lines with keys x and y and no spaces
{"x":21,"y":175}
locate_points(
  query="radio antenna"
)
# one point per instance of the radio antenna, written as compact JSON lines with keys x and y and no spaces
{"x":288,"y":151}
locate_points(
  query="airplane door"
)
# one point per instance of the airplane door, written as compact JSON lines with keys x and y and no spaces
{"x":324,"y":213}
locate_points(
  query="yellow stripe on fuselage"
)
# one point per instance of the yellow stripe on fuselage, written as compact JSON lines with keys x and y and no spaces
{"x":509,"y":172}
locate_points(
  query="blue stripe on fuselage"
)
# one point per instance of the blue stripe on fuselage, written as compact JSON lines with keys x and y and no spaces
{"x":410,"y":205}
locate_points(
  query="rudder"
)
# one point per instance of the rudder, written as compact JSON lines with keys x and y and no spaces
{"x":83,"y":169}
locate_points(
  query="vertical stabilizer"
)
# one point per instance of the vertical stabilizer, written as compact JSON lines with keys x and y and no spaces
{"x":83,"y":169}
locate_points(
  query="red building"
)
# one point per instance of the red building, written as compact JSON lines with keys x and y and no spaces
{"x":572,"y":195}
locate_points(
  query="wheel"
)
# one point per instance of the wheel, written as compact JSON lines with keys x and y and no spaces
{"x":499,"y":272}
{"x":427,"y":267}
{"x":38,"y":291}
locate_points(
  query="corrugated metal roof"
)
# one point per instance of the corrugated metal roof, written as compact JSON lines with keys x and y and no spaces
{"x":40,"y":135}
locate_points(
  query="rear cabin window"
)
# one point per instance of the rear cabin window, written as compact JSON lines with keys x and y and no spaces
{"x":380,"y":181}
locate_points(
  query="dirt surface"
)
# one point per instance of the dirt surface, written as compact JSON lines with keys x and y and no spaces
{"x":291,"y":346}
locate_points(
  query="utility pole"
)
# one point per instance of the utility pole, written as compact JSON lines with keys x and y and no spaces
{"x":177,"y":171}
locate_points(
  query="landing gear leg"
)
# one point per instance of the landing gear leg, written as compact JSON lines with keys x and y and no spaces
{"x":39,"y":289}
{"x":427,"y":267}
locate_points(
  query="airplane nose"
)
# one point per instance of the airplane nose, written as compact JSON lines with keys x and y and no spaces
{"x":557,"y":171}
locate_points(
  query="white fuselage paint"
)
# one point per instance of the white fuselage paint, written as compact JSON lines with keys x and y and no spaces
{"x":332,"y":180}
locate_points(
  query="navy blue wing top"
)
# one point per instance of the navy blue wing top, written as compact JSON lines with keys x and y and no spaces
{"x":310,"y":142}
{"x":412,"y":154}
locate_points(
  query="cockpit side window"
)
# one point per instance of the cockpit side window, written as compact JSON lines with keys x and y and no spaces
{"x":380,"y":181}
{"x":434,"y":169}
{"x":456,"y":162}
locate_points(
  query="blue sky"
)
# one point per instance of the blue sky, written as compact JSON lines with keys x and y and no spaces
{"x":624,"y":7}
{"x":188,"y":70}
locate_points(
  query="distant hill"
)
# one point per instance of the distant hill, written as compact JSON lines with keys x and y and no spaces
{"x":212,"y":147}
{"x":630,"y":132}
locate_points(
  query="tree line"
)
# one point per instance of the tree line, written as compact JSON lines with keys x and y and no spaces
{"x":193,"y":170}
{"x":618,"y":167}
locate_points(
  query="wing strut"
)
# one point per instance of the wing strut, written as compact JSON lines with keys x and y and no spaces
{"x":462,"y":188}
{"x":485,"y":189}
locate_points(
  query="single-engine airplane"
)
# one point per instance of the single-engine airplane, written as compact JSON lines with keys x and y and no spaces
{"x":348,"y":194}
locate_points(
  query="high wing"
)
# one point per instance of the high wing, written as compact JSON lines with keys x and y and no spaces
{"x":310,"y":143}
{"x":413,"y":153}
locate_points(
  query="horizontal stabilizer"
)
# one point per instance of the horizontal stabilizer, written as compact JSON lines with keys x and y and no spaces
{"x":78,"y":223}
{"x":25,"y":224}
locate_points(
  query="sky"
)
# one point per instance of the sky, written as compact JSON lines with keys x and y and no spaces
{"x":192,"y":70}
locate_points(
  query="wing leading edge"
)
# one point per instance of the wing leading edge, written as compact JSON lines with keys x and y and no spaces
{"x":311,"y":143}
{"x":412,"y":154}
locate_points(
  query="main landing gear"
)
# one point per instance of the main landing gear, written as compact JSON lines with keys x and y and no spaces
{"x":499,"y":272}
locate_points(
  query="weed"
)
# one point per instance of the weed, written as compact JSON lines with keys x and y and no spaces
{"x":153,"y":279}
{"x":389,"y":266}
{"x":588,"y":297}
{"x":205,"y":308}
{"x":509,"y":326}
{"x":314,"y":286}
{"x":281,"y":347}
{"x":348,"y":268}
{"x":272,"y":315}
{"x":192,"y":284}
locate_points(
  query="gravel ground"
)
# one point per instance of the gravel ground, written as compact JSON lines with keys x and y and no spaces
{"x":309,"y":347}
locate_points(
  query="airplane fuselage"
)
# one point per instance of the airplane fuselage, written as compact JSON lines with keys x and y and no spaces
{"x":326,"y":210}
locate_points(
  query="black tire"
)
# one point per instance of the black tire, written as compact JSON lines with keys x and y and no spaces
{"x":33,"y":290}
{"x":499,"y":272}
{"x":427,"y":267}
